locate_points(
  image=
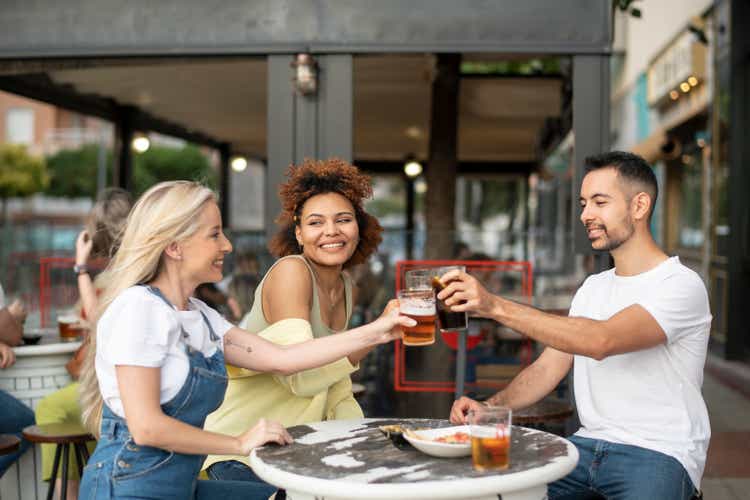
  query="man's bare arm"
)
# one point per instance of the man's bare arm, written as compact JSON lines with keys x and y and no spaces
{"x":11,"y":330}
{"x":532,"y":384}
{"x":631,"y":329}
{"x":535,"y":381}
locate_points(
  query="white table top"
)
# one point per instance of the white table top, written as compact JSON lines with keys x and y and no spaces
{"x":49,"y":344}
{"x":353,"y":459}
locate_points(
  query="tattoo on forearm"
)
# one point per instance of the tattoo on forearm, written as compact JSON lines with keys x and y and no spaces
{"x":246,"y":348}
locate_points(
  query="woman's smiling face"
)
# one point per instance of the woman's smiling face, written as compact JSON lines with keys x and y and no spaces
{"x":203,"y":253}
{"x":327,"y":229}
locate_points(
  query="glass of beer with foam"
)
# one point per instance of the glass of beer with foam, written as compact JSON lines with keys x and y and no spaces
{"x":419,"y":305}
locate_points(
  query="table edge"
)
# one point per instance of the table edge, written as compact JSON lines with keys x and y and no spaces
{"x":422,"y":489}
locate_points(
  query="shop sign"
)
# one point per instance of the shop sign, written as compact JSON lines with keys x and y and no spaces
{"x":682,"y":62}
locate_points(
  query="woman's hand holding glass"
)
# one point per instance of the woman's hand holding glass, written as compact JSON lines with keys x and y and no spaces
{"x":388,"y":326}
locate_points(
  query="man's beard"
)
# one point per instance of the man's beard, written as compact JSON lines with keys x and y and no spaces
{"x":615,"y":242}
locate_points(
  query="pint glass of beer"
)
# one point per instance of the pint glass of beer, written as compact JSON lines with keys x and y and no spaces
{"x":68,"y":324}
{"x":490,"y":437}
{"x":420,"y":306}
{"x":449,"y":321}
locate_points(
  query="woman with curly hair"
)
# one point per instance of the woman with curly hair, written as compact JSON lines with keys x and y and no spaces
{"x":306,"y":294}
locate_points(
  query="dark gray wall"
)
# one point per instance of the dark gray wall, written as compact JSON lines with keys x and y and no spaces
{"x":44,"y":28}
{"x":738,"y":334}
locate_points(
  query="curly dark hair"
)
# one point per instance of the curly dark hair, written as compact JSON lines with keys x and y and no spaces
{"x":314,"y":177}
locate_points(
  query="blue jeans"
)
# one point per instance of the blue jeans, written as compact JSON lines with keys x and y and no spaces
{"x":14,"y":416}
{"x":622,"y":472}
{"x":232,"y":470}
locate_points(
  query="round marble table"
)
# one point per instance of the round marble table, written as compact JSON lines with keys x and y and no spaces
{"x":352,"y":459}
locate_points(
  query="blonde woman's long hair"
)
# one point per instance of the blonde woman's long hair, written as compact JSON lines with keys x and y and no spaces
{"x":166,"y":213}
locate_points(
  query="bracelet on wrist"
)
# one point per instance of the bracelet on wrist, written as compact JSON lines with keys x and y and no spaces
{"x":82,"y":269}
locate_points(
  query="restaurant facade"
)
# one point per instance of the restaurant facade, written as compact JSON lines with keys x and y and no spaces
{"x":685,"y":112}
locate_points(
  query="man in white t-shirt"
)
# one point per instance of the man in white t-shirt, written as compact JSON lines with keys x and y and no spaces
{"x":636,"y":338}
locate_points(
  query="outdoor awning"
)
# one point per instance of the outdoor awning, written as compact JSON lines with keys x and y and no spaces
{"x":225,"y":99}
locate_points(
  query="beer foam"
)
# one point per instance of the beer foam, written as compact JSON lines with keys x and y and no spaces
{"x":417,"y":307}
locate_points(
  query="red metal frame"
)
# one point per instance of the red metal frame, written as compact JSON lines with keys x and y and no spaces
{"x":525,"y":269}
{"x":45,"y":285}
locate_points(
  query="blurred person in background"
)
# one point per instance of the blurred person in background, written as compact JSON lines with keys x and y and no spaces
{"x":14,"y":415}
{"x":98,"y":240}
{"x":242,"y":285}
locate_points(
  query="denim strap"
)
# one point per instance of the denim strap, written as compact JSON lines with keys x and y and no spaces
{"x":212,"y":333}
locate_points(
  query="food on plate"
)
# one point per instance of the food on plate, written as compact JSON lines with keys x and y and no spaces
{"x":455,"y":438}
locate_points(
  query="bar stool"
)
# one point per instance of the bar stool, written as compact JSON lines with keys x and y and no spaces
{"x":9,"y":444}
{"x":62,"y":435}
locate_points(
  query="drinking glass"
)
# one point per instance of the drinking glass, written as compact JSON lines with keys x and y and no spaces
{"x":490,"y":428}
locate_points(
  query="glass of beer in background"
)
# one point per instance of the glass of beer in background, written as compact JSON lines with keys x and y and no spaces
{"x":490,"y":437}
{"x":420,"y":306}
{"x":418,"y":279}
{"x":69,"y":326}
{"x":449,"y":321}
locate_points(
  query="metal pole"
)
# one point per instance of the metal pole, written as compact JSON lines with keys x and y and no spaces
{"x":461,"y":363}
{"x":409,"y":237}
{"x":224,"y":182}
{"x":101,"y":163}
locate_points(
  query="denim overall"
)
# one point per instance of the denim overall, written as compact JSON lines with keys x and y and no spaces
{"x":120,"y":469}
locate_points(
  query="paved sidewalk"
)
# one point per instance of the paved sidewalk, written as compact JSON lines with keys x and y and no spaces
{"x":727,"y":475}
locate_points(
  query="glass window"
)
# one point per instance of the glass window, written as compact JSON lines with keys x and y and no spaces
{"x":721,"y":161}
{"x":691,"y":207}
{"x":19,"y":126}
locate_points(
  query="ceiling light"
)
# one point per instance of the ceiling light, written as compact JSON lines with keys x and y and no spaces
{"x":239,"y":163}
{"x":413,"y":132}
{"x":420,"y":186}
{"x":693,"y":81}
{"x":674,"y":95}
{"x":306,"y":74}
{"x":685,"y":87}
{"x":412,"y":168}
{"x":141,"y":143}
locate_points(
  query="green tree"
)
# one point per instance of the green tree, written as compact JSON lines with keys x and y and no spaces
{"x":21,"y":174}
{"x":165,"y":164}
{"x":73,"y":172}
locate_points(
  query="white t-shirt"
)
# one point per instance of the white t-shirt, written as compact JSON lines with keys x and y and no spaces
{"x":140,"y":329}
{"x":649,"y":398}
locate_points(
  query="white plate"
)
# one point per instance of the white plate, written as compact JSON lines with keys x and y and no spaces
{"x":423,"y":440}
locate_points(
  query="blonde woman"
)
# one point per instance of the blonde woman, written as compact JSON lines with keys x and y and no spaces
{"x":159,"y":356}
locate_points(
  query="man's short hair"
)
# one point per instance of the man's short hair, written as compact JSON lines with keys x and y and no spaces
{"x":631,"y":168}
